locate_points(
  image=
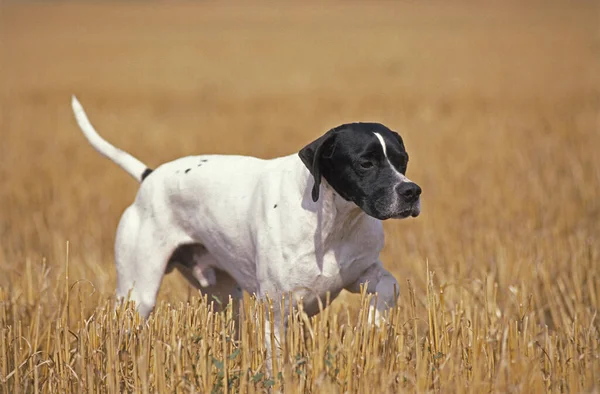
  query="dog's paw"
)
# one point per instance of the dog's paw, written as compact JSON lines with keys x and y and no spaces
{"x":377,"y":319}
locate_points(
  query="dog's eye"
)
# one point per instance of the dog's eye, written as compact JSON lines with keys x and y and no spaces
{"x":366,"y":164}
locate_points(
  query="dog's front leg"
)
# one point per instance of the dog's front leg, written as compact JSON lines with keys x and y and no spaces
{"x":378,"y":280}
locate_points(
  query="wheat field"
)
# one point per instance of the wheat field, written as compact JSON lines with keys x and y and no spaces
{"x":498,"y":105}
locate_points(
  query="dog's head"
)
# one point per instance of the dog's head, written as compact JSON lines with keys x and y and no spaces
{"x":365,"y":163}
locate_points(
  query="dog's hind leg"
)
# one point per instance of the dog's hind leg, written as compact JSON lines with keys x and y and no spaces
{"x":125,"y":242}
{"x":141,"y":254}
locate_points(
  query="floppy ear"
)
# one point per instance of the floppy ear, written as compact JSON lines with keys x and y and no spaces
{"x":312,"y":154}
{"x":399,"y":139}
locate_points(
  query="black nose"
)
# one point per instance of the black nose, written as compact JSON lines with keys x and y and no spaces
{"x":409,"y":191}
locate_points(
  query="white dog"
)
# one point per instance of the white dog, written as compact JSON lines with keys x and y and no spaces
{"x":309,"y":222}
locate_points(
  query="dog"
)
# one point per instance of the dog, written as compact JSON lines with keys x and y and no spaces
{"x":308,"y":223}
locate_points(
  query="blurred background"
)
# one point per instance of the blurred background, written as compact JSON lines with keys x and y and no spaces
{"x":498,"y":104}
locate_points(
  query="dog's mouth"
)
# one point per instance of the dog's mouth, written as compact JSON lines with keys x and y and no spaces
{"x":398,"y":215}
{"x":404,"y":214}
{"x":405,"y":210}
{"x":414,"y":211}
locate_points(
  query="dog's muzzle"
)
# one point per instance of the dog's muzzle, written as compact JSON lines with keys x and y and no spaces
{"x":409,"y":193}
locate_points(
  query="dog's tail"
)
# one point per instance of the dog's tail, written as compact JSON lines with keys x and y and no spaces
{"x":133,"y":166}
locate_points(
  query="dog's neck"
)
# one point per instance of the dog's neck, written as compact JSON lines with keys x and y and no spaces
{"x":334,"y":213}
{"x":332,"y":199}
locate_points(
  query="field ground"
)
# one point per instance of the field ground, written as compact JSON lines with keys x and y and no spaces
{"x":498,"y":106}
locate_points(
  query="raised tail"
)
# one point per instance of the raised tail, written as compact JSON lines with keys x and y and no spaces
{"x":133,"y":166}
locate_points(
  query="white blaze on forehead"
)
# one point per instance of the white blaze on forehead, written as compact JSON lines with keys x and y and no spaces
{"x":383,"y":145}
{"x":382,"y":142}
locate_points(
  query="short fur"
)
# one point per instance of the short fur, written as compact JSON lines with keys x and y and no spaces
{"x":308,"y":222}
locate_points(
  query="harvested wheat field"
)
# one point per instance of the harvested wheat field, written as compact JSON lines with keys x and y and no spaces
{"x":498,"y":105}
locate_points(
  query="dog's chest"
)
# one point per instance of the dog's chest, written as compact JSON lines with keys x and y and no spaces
{"x":336,"y":262}
{"x":345,"y":259}
{"x":331,"y":275}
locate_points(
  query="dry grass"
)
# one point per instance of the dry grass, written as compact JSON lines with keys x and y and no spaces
{"x":499,"y":108}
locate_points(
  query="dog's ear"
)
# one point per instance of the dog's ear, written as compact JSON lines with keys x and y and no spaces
{"x":399,"y":139}
{"x":312,"y":155}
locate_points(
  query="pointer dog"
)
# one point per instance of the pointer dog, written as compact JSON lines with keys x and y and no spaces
{"x":309,"y":222}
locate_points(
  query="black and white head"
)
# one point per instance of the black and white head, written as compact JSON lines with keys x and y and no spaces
{"x":365,"y":163}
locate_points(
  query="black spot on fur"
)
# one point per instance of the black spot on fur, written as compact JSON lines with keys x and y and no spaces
{"x":203,"y":160}
{"x":188,"y":170}
{"x":199,"y":165}
{"x":146,"y":172}
{"x":275,"y":206}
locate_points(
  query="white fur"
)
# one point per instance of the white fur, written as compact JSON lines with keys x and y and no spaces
{"x":127,"y":162}
{"x":257,"y":222}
